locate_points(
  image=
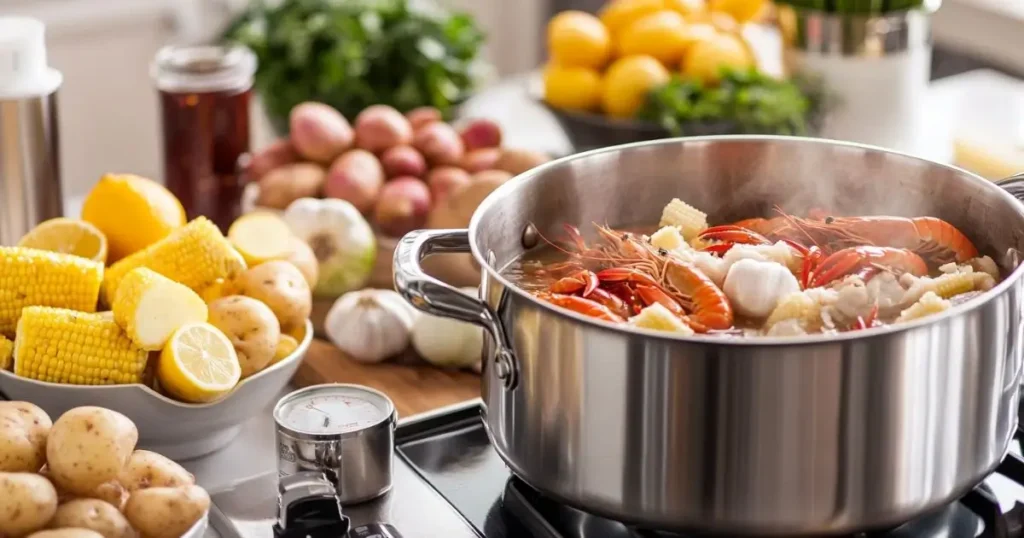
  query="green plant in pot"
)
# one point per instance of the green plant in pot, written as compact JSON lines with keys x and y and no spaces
{"x":351,"y":54}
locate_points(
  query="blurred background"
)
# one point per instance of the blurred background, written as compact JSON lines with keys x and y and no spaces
{"x":105,"y":47}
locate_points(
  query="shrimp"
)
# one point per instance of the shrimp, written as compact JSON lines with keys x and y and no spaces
{"x":583,"y":280}
{"x":581,"y":306}
{"x":850,"y":260}
{"x":710,"y":308}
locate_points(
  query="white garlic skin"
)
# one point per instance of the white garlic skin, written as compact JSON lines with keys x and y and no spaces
{"x":755,"y":287}
{"x":370,"y":325}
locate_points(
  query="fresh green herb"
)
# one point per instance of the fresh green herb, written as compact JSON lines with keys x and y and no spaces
{"x":750,"y":100}
{"x":354,"y":53}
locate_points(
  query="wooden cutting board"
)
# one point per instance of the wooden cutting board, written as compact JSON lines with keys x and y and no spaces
{"x":413,"y":385}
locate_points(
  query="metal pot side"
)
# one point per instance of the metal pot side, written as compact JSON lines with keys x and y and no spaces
{"x":768,"y":436}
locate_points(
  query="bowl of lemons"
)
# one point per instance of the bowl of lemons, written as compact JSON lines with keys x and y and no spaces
{"x":186,"y":331}
{"x":647,"y":69}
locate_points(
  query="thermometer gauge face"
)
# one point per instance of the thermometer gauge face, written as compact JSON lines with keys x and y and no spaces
{"x":332,"y":410}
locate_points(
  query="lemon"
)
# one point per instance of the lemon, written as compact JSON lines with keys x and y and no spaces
{"x":705,"y":58}
{"x":132,"y":211}
{"x":578,"y":39}
{"x":260,"y":237}
{"x":618,"y":14}
{"x":741,"y":10}
{"x":572,"y":88}
{"x":691,"y":9}
{"x":69,"y":236}
{"x":198,"y":364}
{"x":627,"y":82}
{"x":662,"y":34}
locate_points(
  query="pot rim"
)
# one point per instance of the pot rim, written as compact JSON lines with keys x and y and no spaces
{"x":809,"y":340}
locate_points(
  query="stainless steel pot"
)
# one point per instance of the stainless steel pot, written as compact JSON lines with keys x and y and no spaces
{"x":769,"y":436}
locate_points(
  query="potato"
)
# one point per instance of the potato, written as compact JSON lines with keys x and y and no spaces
{"x":481,"y":133}
{"x":479,"y":160}
{"x":319,"y":132}
{"x":439,"y":143}
{"x":27,"y":502}
{"x":94,"y":515}
{"x":402,"y":207}
{"x":285,"y":347}
{"x":66,"y":533}
{"x":423,"y":115}
{"x":282,"y":186}
{"x":443,"y":180}
{"x":303,"y":257}
{"x":380,"y":127}
{"x":403,"y":161}
{"x":517,"y":161}
{"x":89,"y":446}
{"x":355,"y":177}
{"x":112,"y":493}
{"x":280,"y":286}
{"x":456,"y":210}
{"x":276,"y":155}
{"x":166,"y":512}
{"x":23,"y":431}
{"x":495,"y":176}
{"x":147,"y":469}
{"x":252,"y":329}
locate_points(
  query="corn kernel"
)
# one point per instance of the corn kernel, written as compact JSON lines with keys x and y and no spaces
{"x":31,"y":277}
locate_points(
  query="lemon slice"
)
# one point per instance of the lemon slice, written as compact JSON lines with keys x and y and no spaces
{"x":261,"y":237}
{"x":198,"y":364}
{"x":68,"y":236}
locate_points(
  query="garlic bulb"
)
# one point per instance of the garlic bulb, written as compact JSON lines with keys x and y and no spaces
{"x":755,"y":287}
{"x":370,"y":325}
{"x":446,"y":342}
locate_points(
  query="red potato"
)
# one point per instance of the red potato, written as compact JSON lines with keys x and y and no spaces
{"x":273,"y":156}
{"x":481,"y":133}
{"x":444,"y":180}
{"x":403,"y":161}
{"x":319,"y":132}
{"x":403,"y":206}
{"x":355,"y":177}
{"x":440,"y":144}
{"x":493,"y":176}
{"x":285,"y":184}
{"x":481,"y":159}
{"x":423,"y":115}
{"x":517,"y":161}
{"x":380,"y":127}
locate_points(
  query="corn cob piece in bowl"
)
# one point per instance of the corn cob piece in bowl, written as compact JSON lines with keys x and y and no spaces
{"x":150,"y":307}
{"x":31,"y":277}
{"x":195,"y":255}
{"x":65,"y":346}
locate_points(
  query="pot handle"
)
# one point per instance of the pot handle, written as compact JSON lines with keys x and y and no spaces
{"x":432,"y":296}
{"x":1013,"y":185}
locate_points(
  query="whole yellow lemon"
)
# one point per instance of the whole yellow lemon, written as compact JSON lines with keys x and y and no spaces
{"x":741,"y":10}
{"x":688,"y":8}
{"x":578,"y":39}
{"x":618,"y":14}
{"x":705,"y":58}
{"x":627,"y":83}
{"x":572,"y":88}
{"x":662,"y":34}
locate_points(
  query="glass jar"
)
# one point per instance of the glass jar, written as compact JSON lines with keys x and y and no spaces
{"x":204,"y":100}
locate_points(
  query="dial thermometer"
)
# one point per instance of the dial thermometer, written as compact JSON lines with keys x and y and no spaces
{"x":345,"y":431}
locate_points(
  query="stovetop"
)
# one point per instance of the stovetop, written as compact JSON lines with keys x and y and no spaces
{"x":452,"y":453}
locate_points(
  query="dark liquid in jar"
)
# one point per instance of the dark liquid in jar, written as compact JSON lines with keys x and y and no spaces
{"x":204,"y":136}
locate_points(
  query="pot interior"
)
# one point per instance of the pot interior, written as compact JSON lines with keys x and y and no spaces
{"x":736,"y":177}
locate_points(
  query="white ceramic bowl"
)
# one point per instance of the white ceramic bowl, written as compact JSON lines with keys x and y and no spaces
{"x":199,"y":529}
{"x":177,"y":430}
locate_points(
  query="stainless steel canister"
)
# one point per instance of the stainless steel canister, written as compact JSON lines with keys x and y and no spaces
{"x":345,"y":431}
{"x":875,"y":70}
{"x":30,"y":190}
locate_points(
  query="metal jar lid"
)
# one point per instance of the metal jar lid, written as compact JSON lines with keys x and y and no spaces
{"x":203,"y":68}
{"x":856,"y":34}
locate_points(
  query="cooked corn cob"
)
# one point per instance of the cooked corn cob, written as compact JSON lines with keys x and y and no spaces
{"x":690,"y":220}
{"x":150,"y":307}
{"x":659,"y":318}
{"x":928,"y":304}
{"x":195,"y":255}
{"x":6,"y":352}
{"x":64,"y":346}
{"x":668,"y":238}
{"x":31,"y":277}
